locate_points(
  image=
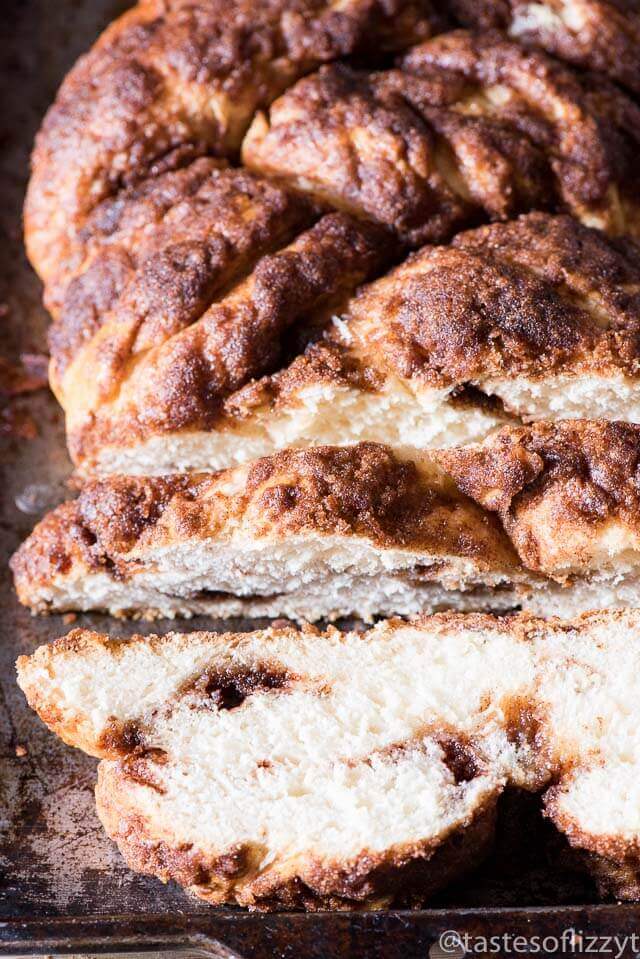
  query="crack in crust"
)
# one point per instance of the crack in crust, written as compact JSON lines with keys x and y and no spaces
{"x":469,"y":126}
{"x":601,"y":35}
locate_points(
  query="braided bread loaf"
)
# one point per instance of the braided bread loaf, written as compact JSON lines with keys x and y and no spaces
{"x":376,"y":262}
{"x":204,"y":312}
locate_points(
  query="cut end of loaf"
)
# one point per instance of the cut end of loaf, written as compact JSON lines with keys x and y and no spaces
{"x":286,"y":768}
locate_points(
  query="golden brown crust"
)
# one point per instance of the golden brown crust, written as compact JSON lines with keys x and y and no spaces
{"x":587,"y":128}
{"x":354,"y":141}
{"x":157,"y":255}
{"x":535,"y":296}
{"x":558,"y":489}
{"x":404,"y":876}
{"x":601,"y":35}
{"x":472,"y":125}
{"x":116,"y":394}
{"x":360,"y":491}
{"x":174,"y":78}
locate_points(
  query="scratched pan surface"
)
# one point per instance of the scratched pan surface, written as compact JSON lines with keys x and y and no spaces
{"x":63,"y":886}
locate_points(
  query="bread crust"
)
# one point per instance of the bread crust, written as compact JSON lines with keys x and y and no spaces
{"x":539,"y":297}
{"x":533,"y":297}
{"x":124,"y":387}
{"x":158,"y":254}
{"x":469,"y":126}
{"x":352,"y":140}
{"x":604,"y":36}
{"x":170,"y":80}
{"x":536,"y":298}
{"x":553,"y":500}
{"x":559,"y":489}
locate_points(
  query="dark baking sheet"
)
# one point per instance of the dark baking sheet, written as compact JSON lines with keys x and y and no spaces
{"x":63,"y":886}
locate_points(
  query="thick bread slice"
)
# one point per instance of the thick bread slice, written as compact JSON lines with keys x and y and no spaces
{"x":335,"y":531}
{"x":569,"y":498}
{"x":601,"y":35}
{"x":173,"y":79}
{"x":285,"y":768}
{"x":307,"y":534}
{"x":536,"y":318}
{"x":469,"y":125}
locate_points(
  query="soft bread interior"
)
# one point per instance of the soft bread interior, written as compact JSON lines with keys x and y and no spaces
{"x":305,"y":578}
{"x":610,"y":396}
{"x":304,"y":778}
{"x":337,"y":531}
{"x":407,"y":418}
{"x":323,"y":756}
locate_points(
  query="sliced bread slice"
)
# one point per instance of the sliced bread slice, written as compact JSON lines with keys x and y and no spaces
{"x":307,"y":534}
{"x":532,"y":319}
{"x":337,"y":531}
{"x":285,"y":768}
